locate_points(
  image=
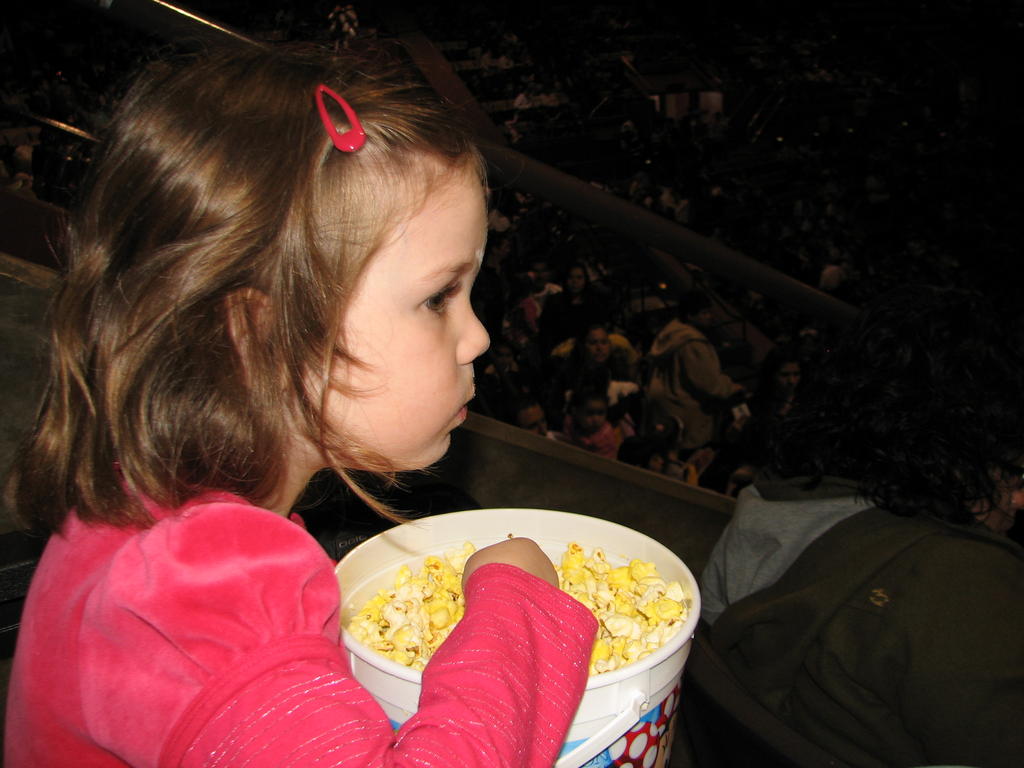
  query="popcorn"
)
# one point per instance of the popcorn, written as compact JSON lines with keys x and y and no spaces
{"x":408,"y":623}
{"x":637,"y":610}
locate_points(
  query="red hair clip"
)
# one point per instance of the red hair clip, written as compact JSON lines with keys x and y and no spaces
{"x":354,"y":137}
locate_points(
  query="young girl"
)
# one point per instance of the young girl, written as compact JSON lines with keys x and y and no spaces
{"x":586,"y":424}
{"x":270,"y":275}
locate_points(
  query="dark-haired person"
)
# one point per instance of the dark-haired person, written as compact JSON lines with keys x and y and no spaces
{"x":568,"y":315}
{"x":864,"y":591}
{"x":745,"y":441}
{"x":586,"y":424}
{"x":601,"y":360}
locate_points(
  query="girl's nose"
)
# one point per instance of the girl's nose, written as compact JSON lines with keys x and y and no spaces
{"x":473,"y":341}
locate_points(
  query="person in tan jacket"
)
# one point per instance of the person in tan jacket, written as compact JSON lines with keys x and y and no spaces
{"x":686,"y":379}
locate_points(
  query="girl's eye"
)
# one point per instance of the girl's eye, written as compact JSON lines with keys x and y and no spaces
{"x":439,"y":301}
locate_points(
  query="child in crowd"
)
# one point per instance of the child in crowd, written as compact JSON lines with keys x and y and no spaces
{"x":270,"y":275}
{"x":587,"y":425}
{"x":530,"y":416}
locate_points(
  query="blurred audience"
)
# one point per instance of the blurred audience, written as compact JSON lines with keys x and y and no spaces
{"x":852,"y":173}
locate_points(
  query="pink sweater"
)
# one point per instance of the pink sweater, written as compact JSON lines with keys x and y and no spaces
{"x":212,"y":638}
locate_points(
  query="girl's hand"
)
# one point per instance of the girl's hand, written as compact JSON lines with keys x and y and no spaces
{"x":522,"y":553}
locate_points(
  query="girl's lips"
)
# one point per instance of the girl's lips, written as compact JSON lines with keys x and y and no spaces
{"x":464,"y":410}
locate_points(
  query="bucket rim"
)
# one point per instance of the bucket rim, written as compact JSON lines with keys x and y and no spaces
{"x":675,"y":644}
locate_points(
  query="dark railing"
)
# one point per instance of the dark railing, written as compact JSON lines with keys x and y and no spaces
{"x":170,"y":21}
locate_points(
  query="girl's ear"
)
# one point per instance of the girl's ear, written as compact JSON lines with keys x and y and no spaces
{"x":248,"y":316}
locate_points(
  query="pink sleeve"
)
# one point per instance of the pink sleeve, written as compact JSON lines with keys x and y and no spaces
{"x":215,"y":643}
{"x":502,"y":691}
{"x":512,"y":671}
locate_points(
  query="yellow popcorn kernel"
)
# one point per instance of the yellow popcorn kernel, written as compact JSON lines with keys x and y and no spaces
{"x":442,"y":599}
{"x":624,"y":626}
{"x":402,"y":656}
{"x":638,"y":569}
{"x":649,"y":610}
{"x":661,"y":634}
{"x":584,"y":598}
{"x":411,"y":592}
{"x":618,"y":646}
{"x":674,"y":591}
{"x":620,"y":578}
{"x":633,"y":650}
{"x":597,"y":563}
{"x":573,"y":557}
{"x":601,"y":651}
{"x":405,"y":636}
{"x":574,"y":575}
{"x":451,"y":581}
{"x":360,"y":633}
{"x":624,"y":606}
{"x":457,"y":558}
{"x":652,"y":585}
{"x":668,"y":609}
{"x":368,"y":621}
{"x":440,"y":618}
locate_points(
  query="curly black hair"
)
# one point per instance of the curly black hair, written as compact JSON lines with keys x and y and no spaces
{"x":921,"y":402}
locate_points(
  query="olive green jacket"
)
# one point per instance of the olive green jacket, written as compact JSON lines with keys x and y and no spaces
{"x":892,"y":641}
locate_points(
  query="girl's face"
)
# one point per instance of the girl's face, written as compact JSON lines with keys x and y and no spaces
{"x":411,"y":325}
{"x":591,"y":415}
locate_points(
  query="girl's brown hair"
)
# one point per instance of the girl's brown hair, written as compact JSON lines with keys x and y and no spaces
{"x":210,"y":265}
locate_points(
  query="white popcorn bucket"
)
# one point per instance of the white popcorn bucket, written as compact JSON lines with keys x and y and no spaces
{"x":626,"y":716}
